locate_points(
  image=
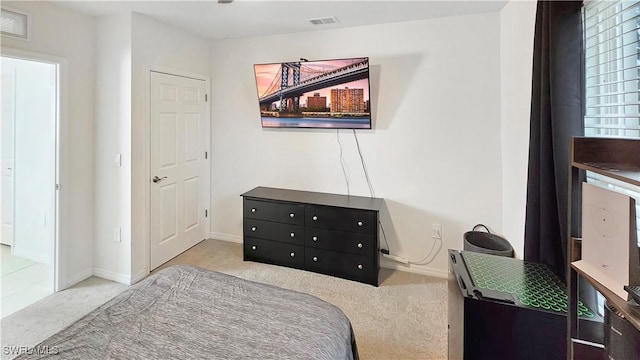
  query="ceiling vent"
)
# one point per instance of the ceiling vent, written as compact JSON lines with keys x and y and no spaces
{"x":325,"y":20}
{"x":14,"y":24}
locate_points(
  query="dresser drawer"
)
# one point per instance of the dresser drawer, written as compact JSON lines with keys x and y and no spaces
{"x":352,"y":220}
{"x":349,"y":266}
{"x":341,"y":241}
{"x":289,"y":213}
{"x":273,"y":252}
{"x":289,"y":233}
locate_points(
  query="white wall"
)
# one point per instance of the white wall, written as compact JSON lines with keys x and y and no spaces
{"x":63,"y":33}
{"x":437,"y":151}
{"x":113,"y":136}
{"x":517,"y":23}
{"x":127,"y":45}
{"x":434,"y":153}
{"x":153,"y":44}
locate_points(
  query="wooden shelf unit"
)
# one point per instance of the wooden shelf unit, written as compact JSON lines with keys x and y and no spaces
{"x":618,"y":159}
{"x":630,"y":312}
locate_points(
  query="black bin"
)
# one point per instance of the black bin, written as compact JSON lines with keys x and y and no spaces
{"x":486,"y":242}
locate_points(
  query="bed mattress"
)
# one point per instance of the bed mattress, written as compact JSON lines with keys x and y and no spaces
{"x":184,"y":312}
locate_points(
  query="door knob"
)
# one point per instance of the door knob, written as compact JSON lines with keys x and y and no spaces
{"x":157,"y":179}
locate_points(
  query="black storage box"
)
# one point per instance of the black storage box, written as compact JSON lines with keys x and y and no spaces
{"x":621,"y":339}
{"x":505,"y":308}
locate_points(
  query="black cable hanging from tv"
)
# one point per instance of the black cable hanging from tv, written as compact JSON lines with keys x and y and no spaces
{"x":343,"y":164}
{"x":364,"y":166}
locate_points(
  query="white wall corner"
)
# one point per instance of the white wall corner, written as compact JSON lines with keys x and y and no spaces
{"x":517,"y":25}
{"x":69,"y":281}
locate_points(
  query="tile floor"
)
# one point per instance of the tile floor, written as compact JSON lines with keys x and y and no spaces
{"x":23,"y":282}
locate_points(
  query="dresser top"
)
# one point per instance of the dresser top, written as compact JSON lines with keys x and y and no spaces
{"x":316,"y":198}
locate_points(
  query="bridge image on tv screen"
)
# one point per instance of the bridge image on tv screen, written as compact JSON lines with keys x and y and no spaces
{"x":315,"y":94}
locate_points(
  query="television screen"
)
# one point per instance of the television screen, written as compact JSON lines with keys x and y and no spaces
{"x":315,"y":94}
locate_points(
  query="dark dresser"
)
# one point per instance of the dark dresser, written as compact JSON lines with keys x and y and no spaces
{"x":325,"y":233}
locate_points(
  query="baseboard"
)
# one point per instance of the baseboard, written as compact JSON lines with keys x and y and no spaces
{"x":387,"y":264}
{"x":226,"y":237}
{"x":74,"y":279}
{"x":113,"y":276}
{"x":417,"y":269}
{"x":139,"y":276}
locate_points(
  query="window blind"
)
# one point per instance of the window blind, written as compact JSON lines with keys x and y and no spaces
{"x":612,"y":84}
{"x":612,"y":66}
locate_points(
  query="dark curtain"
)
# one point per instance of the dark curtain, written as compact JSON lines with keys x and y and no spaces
{"x":556,"y":115}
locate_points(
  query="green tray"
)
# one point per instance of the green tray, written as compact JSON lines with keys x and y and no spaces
{"x":533,"y":284}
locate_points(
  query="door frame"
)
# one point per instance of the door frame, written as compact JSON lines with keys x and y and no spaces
{"x":61,"y":196}
{"x":148,"y":69}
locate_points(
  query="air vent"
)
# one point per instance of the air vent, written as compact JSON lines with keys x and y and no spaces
{"x":322,"y":21}
{"x":14,"y":24}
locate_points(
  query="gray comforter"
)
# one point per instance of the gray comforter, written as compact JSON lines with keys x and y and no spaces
{"x":184,"y":312}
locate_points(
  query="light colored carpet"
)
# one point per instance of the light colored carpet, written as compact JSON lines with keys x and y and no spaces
{"x":404,"y":318}
{"x":29,"y":326}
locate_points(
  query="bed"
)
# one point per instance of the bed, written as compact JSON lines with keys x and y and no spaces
{"x":185,"y":312}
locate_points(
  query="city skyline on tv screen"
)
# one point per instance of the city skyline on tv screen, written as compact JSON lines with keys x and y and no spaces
{"x":315,"y":94}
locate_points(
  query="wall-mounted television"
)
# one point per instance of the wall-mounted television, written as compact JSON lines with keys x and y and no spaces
{"x":315,"y":94}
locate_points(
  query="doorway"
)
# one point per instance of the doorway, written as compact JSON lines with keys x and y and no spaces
{"x":28,"y":153}
{"x":179,"y":167}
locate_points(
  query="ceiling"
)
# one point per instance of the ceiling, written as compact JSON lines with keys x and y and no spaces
{"x":246,"y":18}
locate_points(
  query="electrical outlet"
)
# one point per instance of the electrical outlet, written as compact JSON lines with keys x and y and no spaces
{"x":436,"y":231}
{"x":116,"y":234}
{"x":117,"y":160}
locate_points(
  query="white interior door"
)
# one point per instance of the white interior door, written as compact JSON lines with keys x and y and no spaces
{"x":6,"y":155}
{"x":178,"y":166}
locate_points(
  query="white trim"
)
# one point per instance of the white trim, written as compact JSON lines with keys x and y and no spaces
{"x":70,"y":281}
{"x":29,"y":18}
{"x":113,"y":276}
{"x":147,"y":144}
{"x":416,"y":269}
{"x":62,"y":156}
{"x":226,"y":237}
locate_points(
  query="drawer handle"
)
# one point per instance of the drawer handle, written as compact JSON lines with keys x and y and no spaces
{"x":253,"y":210}
{"x":360,"y":266}
{"x":360,"y":223}
{"x":359,"y":245}
{"x":293,"y":254}
{"x":315,"y":238}
{"x":315,"y":258}
{"x":293,"y":234}
{"x":254,"y":247}
{"x":292,"y":215}
{"x":253,"y":228}
{"x":314,"y":218}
